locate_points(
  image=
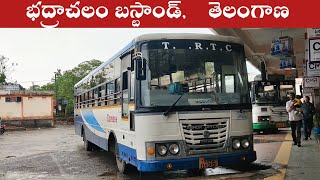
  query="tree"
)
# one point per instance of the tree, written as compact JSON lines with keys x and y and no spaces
{"x":5,"y":68}
{"x":34,"y":87}
{"x":66,"y":80}
{"x":3,"y":78}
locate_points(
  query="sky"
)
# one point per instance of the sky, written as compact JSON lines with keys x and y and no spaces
{"x":39,"y":52}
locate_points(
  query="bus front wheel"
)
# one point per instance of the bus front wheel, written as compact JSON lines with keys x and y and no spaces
{"x":121,"y":164}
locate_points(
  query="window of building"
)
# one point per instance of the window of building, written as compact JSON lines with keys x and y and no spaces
{"x":13,"y":99}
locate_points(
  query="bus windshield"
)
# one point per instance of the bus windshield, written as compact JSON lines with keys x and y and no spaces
{"x":213,"y":73}
{"x":266,"y":94}
{"x":285,"y":90}
{"x":272,"y":92}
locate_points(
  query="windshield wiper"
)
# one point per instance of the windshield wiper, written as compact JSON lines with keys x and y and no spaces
{"x":170,"y":108}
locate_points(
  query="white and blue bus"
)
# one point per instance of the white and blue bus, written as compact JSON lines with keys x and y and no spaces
{"x":169,"y":102}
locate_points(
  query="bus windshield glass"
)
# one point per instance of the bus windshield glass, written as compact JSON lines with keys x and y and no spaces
{"x":272,"y":92}
{"x":211,"y":73}
{"x":285,"y":90}
{"x":266,"y":94}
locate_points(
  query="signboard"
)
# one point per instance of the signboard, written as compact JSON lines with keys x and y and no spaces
{"x":311,"y":82}
{"x":313,"y":32}
{"x":314,"y":50}
{"x":287,"y":62}
{"x":313,"y":68}
{"x":282,"y":46}
{"x":308,"y":91}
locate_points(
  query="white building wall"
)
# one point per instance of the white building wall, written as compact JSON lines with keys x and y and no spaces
{"x":37,"y":106}
{"x":30,"y":108}
{"x":10,"y":110}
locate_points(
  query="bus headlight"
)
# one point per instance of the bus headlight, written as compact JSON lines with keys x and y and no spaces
{"x":174,"y":149}
{"x":245,"y":143}
{"x":236,"y":144}
{"x":162,"y":150}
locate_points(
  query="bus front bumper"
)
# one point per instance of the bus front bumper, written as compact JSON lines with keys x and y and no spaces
{"x":193,"y":163}
{"x":264,"y":126}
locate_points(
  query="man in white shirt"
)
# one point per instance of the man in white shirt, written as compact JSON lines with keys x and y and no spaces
{"x":295,"y":119}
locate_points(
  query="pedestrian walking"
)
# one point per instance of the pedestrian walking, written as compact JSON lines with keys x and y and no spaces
{"x":293,"y":107}
{"x":308,"y":111}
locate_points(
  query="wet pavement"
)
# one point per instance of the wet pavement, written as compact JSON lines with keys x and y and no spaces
{"x":267,"y":145}
{"x":57,"y":153}
{"x":304,"y":161}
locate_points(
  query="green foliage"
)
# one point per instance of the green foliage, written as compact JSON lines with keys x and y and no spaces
{"x":66,"y":80}
{"x":2,"y":78}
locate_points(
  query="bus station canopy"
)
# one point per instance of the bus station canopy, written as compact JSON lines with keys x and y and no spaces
{"x":258,"y":43}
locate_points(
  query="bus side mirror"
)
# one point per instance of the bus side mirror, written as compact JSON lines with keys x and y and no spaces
{"x":141,"y":69}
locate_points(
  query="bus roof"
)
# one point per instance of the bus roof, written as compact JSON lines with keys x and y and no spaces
{"x":163,"y":36}
{"x":159,"y":36}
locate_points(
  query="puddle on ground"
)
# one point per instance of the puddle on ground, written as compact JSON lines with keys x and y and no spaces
{"x":257,"y":141}
{"x":249,"y":172}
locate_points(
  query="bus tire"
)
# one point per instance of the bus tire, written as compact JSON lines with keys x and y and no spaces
{"x":88,"y":146}
{"x":121,"y":164}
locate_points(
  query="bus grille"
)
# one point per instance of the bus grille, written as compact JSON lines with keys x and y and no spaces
{"x":205,"y":136}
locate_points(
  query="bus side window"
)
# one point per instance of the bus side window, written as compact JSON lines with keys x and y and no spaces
{"x":106,"y":95}
{"x":80,"y":101}
{"x":87,"y":99}
{"x":110,"y":93}
{"x":132,"y":60}
{"x":117,"y":91}
{"x":96,"y":96}
{"x":125,"y":81}
{"x":132,"y":86}
{"x":77,"y":101}
{"x":125,"y":94}
{"x":93,"y":101}
{"x":99,"y":95}
{"x":132,"y":76}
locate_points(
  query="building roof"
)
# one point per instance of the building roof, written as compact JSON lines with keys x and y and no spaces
{"x":27,"y":93}
{"x":9,"y":87}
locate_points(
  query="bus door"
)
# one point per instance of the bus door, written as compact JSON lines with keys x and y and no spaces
{"x":126,"y":87}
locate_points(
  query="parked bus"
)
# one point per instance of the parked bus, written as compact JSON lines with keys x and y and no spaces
{"x":269,"y":99}
{"x":169,"y":102}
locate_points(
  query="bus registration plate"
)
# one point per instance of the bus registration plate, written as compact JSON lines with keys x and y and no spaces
{"x":281,"y":125}
{"x":207,"y":163}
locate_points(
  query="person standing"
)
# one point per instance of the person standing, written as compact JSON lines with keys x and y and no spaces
{"x":295,"y":119}
{"x":308,"y":110}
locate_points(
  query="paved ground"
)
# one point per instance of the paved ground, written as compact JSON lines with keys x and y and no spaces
{"x":57,"y":153}
{"x":304,"y":161}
